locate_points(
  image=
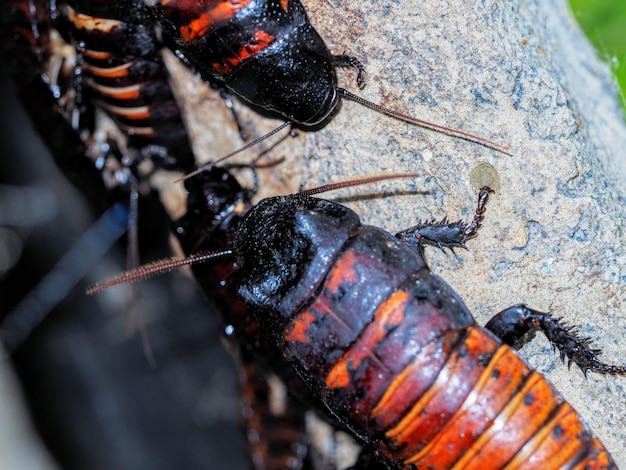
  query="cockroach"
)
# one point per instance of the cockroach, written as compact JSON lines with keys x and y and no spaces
{"x":265,"y":51}
{"x":391,"y":349}
{"x":268,"y":53}
{"x":395,"y":354}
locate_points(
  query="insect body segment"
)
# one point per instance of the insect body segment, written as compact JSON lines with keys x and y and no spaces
{"x":392,"y":351}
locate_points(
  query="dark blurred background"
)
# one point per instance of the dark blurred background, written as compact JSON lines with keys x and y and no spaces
{"x":91,"y":393}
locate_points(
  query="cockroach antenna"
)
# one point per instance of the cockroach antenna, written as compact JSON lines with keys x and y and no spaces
{"x":379,"y":108}
{"x":158,"y":267}
{"x":425,"y":124}
{"x":256,"y":141}
{"x":356,"y":182}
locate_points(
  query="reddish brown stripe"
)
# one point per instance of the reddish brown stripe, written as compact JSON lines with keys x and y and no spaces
{"x":503,"y":376}
{"x":110,"y":72}
{"x":119,"y":93}
{"x":99,"y":55}
{"x":342,"y":273}
{"x":301,"y":325}
{"x":434,"y":409}
{"x":409,"y":385}
{"x":597,"y":458}
{"x":557,"y":443}
{"x":524,"y":415}
{"x":91,"y":23}
{"x":137,"y":113}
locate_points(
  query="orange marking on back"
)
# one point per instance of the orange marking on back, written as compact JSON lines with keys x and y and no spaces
{"x":119,"y":93}
{"x":99,"y":55}
{"x":387,"y":399}
{"x":284,"y":4}
{"x":489,"y":395}
{"x":523,"y":416}
{"x":139,"y":112}
{"x":299,"y":327}
{"x":260,"y":41}
{"x":389,"y":314}
{"x":598,"y":458}
{"x":211,"y":18}
{"x":91,"y":23}
{"x":342,"y":272}
{"x":109,"y":72}
{"x":549,"y":450}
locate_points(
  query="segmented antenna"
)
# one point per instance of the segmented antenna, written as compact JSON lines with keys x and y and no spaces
{"x":357,"y":182}
{"x":377,"y":107}
{"x":209,"y":165}
{"x":425,"y":124}
{"x":158,"y":267}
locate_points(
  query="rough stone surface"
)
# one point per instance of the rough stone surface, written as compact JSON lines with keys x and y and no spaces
{"x":520,"y":74}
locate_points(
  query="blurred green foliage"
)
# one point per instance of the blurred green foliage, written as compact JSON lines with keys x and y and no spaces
{"x":604,"y":22}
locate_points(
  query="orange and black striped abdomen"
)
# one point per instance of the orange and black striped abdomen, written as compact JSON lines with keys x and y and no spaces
{"x":394,"y":353}
{"x":42,"y":79}
{"x":120,"y":66}
{"x":422,"y":385}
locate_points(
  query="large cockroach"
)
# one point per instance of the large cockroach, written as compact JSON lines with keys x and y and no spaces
{"x":265,"y":51}
{"x":393,"y":352}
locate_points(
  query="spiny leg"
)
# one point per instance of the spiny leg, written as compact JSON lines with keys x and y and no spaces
{"x":347,"y":61}
{"x":446,"y":234}
{"x":513,"y":324}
